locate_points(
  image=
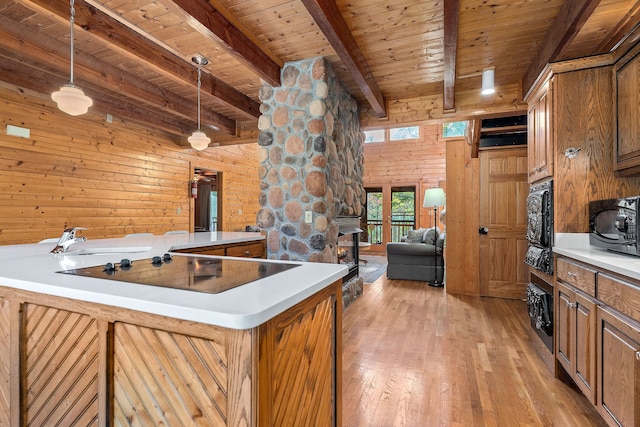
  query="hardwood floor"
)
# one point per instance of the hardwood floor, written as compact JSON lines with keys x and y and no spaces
{"x":415,"y":356}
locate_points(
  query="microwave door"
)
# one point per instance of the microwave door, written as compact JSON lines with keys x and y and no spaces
{"x":611,"y":226}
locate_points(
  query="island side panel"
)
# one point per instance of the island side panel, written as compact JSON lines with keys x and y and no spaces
{"x":211,"y":368}
{"x":168,"y":378}
{"x":60,"y":367}
{"x":300,"y":364}
{"x":5,"y":362}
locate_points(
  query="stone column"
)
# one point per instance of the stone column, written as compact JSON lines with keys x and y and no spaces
{"x":311,"y":162}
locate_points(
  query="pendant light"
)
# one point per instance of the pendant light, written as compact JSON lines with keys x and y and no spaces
{"x":198,"y":139}
{"x":70,"y":98}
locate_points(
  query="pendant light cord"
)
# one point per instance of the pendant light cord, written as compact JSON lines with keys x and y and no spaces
{"x":72,"y":20}
{"x":199,"y":84}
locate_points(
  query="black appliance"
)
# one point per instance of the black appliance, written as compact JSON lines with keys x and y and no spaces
{"x":540,"y":307}
{"x":540,"y":227}
{"x":193,"y":273}
{"x":613,"y":224}
{"x":503,"y":131}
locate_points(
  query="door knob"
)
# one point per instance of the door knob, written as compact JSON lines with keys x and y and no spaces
{"x":483,"y":230}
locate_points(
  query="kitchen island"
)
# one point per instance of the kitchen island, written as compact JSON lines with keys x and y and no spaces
{"x":92,"y":351}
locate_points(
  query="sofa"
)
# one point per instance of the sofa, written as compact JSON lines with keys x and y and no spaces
{"x":419,"y":256}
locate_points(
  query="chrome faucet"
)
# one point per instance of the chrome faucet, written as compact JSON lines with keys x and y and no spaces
{"x":68,"y":238}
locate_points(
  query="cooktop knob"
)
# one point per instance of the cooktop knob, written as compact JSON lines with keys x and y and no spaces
{"x":109,"y":268}
{"x":167,"y":257}
{"x":125,"y":264}
{"x":157,"y":261}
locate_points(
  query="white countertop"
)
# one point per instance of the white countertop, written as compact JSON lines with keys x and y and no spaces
{"x":31,"y":267}
{"x":576,"y":246}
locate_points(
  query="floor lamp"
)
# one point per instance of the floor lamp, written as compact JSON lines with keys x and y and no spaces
{"x":434,"y":197}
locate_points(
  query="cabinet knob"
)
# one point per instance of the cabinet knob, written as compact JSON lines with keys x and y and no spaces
{"x":247,"y":252}
{"x":637,"y":355}
{"x":570,"y":274}
{"x":571,"y":305}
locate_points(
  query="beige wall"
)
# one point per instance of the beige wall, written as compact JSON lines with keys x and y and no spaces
{"x":113,"y":179}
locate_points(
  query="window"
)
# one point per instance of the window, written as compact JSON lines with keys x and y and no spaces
{"x":393,"y":134}
{"x":398,"y":134}
{"x":374,"y":135}
{"x":454,"y":129}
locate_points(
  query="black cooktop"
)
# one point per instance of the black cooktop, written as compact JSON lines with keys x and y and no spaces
{"x":193,"y":273}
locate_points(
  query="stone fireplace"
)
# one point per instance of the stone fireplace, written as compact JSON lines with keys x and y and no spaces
{"x":311,"y":165}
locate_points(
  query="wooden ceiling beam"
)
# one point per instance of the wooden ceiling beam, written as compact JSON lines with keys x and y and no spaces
{"x":568,"y":23}
{"x":119,"y":37}
{"x":21,"y":44}
{"x":450,"y":52}
{"x":208,"y":21}
{"x":620,"y":31}
{"x":39,"y":82}
{"x":332,"y":24}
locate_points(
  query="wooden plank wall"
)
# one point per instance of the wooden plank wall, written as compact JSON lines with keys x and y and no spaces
{"x":430,"y":110}
{"x":112,"y":178}
{"x":421,"y":163}
{"x":462,"y":255}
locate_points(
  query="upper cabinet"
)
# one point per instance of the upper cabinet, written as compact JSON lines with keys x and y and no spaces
{"x":627,"y":147}
{"x":539,"y":133}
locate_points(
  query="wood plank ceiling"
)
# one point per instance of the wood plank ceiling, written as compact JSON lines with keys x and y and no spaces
{"x":133,"y":57}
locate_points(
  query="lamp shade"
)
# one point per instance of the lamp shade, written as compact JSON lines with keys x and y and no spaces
{"x":434,"y":197}
{"x":72,"y":100}
{"x":199,"y":140}
{"x":487,"y":81}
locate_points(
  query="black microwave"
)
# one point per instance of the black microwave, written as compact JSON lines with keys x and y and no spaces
{"x":613,"y":224}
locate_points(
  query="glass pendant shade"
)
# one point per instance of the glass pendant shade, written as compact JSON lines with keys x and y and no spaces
{"x":199,"y":140}
{"x":72,"y":100}
{"x":487,"y":81}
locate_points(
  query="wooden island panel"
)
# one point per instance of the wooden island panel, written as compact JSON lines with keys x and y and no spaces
{"x":298,"y":345}
{"x":5,"y":362}
{"x":100,"y":365}
{"x":162,"y":377}
{"x":60,"y":367}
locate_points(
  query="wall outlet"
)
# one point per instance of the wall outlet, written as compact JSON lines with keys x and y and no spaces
{"x":308,"y":217}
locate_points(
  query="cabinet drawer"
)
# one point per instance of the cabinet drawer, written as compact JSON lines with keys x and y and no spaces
{"x":621,"y":295}
{"x":577,"y":276}
{"x":250,"y":251}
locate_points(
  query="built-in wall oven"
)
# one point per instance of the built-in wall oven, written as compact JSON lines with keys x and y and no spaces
{"x":540,"y":227}
{"x":540,"y":257}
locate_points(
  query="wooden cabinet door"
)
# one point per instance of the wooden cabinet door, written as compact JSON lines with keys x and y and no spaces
{"x":539,"y":135}
{"x":532,"y":145}
{"x":565,"y":327}
{"x":576,"y":338}
{"x":627,"y":117}
{"x":618,"y":369}
{"x":585,"y":345}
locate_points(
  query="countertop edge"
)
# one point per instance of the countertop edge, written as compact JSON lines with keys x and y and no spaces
{"x":244,"y":307}
{"x":577,"y":247}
